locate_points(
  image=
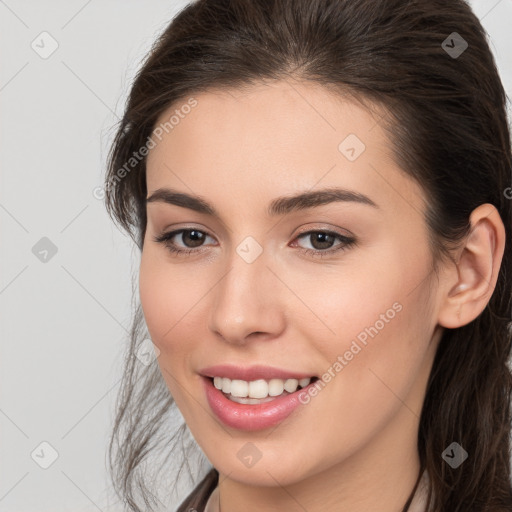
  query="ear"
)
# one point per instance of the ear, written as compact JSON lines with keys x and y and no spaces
{"x":471,"y":282}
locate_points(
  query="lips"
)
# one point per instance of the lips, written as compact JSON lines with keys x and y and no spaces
{"x":251,"y":417}
{"x":252,"y":373}
{"x":259,"y":413}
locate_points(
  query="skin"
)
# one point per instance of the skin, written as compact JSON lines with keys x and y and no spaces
{"x":353,"y":446}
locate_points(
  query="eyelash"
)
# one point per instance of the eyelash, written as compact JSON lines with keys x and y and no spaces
{"x":347,"y":242}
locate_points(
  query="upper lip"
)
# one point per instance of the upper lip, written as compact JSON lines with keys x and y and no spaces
{"x":250,"y":373}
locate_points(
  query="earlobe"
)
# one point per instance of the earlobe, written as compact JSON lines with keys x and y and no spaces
{"x":476,"y":271}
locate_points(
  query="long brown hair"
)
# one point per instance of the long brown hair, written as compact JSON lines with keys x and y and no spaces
{"x":447,"y":123}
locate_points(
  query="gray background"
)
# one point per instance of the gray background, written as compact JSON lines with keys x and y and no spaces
{"x":64,"y":321}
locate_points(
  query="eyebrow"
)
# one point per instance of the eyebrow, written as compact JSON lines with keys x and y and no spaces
{"x":279,"y":206}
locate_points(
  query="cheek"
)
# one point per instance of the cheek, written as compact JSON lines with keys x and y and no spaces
{"x":349,"y":305}
{"x":381,"y":374}
{"x":383,"y":295}
{"x":382,"y":323}
{"x":167,"y":299}
{"x":370,"y":382}
{"x":153,"y":297}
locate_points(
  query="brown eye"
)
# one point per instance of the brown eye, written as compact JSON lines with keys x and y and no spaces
{"x":196,"y":237}
{"x":322,"y":242}
{"x":190,"y":238}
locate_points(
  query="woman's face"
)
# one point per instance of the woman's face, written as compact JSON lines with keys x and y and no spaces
{"x":339,"y":287}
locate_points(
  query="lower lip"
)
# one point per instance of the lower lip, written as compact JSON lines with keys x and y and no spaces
{"x":251,"y":417}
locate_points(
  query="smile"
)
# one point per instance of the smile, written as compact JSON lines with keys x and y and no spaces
{"x":246,"y":413}
{"x":257,"y":391}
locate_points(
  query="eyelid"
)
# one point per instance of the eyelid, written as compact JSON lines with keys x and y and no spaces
{"x":322,"y":227}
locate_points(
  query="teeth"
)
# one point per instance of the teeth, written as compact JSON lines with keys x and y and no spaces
{"x":226,"y":385}
{"x":290,"y":385}
{"x":240,"y":388}
{"x":304,"y":382}
{"x":258,"y":389}
{"x":275,"y":387}
{"x":217,"y":382}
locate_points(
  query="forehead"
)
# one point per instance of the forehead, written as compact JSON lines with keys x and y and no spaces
{"x":270,"y":117}
{"x":278,"y":136}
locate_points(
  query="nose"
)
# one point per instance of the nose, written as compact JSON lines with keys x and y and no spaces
{"x":246,"y":302}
